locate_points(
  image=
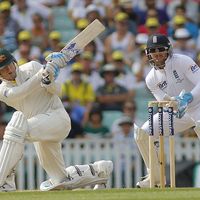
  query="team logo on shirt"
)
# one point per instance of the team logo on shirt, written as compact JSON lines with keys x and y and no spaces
{"x":194,"y":68}
{"x":177,"y":77}
{"x":162,"y":85}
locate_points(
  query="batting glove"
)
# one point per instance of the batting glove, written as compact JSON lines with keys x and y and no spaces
{"x":50,"y":73}
{"x":58,"y":58}
{"x":182,"y":100}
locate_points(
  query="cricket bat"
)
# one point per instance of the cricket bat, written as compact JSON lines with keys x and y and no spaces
{"x":77,"y":44}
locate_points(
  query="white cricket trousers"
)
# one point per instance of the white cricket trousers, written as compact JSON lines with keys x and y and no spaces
{"x":47,"y":131}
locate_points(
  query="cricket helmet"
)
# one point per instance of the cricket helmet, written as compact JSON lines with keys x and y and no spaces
{"x":5,"y":58}
{"x":158,"y":43}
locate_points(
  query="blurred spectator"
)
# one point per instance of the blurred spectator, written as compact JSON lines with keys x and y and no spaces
{"x":163,"y":17}
{"x":94,"y":12}
{"x":180,"y":21}
{"x":54,"y":41}
{"x":126,"y":129}
{"x":7,"y":37}
{"x":94,"y":127}
{"x":23,"y":54}
{"x":24,"y":37}
{"x":111,"y":12}
{"x":22,"y":11}
{"x":125,"y":77}
{"x":76,"y":128}
{"x":51,"y":3}
{"x":79,"y":94}
{"x":191,"y":8}
{"x":152,"y":26}
{"x":140,"y":40}
{"x":81,"y":24}
{"x":90,"y":75}
{"x":141,"y":67}
{"x":98,"y":55}
{"x":111,"y":95}
{"x":183,"y":43}
{"x":129,"y":110}
{"x":11,"y":24}
{"x":121,"y":39}
{"x":38,"y":32}
{"x":123,"y":138}
{"x":78,"y":9}
{"x":127,"y":7}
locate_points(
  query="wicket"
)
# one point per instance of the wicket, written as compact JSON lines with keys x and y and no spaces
{"x":170,"y":105}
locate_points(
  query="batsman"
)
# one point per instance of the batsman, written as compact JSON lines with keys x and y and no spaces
{"x":172,"y":77}
{"x":40,"y":118}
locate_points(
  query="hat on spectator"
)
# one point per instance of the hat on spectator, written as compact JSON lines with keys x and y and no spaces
{"x":46,"y":53}
{"x":182,"y":33}
{"x":143,"y":47}
{"x":179,"y":20}
{"x":152,"y":22}
{"x":22,"y":61}
{"x":91,"y":8}
{"x":5,"y":5}
{"x":121,"y":16}
{"x":117,"y":55}
{"x":109,"y":68}
{"x":82,"y":23}
{"x":141,"y":38}
{"x":55,"y":35}
{"x":125,"y":120}
{"x":24,"y":35}
{"x":77,"y":67}
{"x":126,"y":3}
{"x":87,"y":55}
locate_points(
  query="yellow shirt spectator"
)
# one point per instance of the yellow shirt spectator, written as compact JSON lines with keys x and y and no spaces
{"x":82,"y":93}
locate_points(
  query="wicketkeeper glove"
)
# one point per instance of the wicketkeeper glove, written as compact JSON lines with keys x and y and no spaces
{"x":182,"y":100}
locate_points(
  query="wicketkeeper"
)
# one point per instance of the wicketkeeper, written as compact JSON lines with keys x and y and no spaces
{"x":40,"y":118}
{"x":173,"y":77}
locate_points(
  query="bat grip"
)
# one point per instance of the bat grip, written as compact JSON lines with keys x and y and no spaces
{"x":45,"y":80}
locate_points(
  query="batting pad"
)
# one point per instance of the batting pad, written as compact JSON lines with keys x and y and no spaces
{"x":11,"y":152}
{"x":142,"y":141}
{"x":13,"y":145}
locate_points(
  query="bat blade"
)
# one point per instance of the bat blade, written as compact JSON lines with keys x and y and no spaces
{"x":77,"y":44}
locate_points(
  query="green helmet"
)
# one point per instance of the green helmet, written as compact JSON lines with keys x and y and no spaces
{"x":5,"y":58}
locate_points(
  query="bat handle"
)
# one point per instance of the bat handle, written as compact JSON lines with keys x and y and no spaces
{"x":45,"y":80}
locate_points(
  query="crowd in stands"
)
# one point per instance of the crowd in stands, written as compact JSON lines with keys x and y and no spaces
{"x":99,"y":86}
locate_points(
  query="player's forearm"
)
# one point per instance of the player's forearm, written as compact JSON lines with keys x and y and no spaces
{"x":24,"y":89}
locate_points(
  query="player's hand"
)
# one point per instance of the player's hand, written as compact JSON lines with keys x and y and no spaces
{"x":182,"y":100}
{"x":50,"y":73}
{"x":58,"y":58}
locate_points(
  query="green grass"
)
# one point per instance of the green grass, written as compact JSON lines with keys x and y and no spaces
{"x":112,"y":194}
